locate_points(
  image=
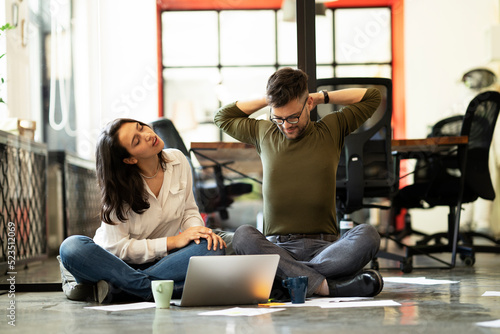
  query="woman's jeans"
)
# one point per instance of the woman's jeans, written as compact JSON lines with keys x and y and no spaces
{"x":316,"y":259}
{"x":90,"y":263}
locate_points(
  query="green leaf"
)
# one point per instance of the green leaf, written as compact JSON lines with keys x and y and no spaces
{"x":6,"y":26}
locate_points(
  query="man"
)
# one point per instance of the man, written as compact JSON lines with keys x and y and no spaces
{"x":300,"y":159}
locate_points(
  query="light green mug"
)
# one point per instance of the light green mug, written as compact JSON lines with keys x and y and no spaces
{"x":162,"y":292}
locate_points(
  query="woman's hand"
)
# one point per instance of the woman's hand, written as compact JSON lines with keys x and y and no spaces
{"x":215,"y":240}
{"x":195,"y":233}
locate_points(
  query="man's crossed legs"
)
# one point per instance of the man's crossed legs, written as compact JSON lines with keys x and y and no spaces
{"x":334,"y":268}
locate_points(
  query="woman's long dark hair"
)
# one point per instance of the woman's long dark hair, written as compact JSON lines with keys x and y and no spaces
{"x":122,"y":187}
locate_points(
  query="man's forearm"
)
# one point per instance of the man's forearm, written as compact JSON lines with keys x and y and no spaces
{"x":343,"y":96}
{"x":251,"y":106}
{"x":347,"y":96}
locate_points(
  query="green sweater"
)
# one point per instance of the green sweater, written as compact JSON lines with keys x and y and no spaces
{"x":299,"y":175}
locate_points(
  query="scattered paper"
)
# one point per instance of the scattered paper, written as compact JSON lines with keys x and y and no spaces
{"x":318,"y":302}
{"x":492,"y":323}
{"x":344,"y":299}
{"x":238,"y":311}
{"x":341,"y":302}
{"x":491,"y":294}
{"x":123,"y":307}
{"x":367,"y":303}
{"x":417,"y":280}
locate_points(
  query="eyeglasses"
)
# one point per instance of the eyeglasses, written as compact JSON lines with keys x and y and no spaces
{"x":290,"y":119}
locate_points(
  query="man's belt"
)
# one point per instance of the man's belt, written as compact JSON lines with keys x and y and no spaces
{"x":290,"y":237}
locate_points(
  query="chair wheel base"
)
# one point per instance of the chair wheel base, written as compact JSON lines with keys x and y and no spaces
{"x":375,"y":265}
{"x":406,"y":266}
{"x":468,"y":260}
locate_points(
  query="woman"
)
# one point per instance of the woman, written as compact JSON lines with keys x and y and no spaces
{"x":151,"y":225}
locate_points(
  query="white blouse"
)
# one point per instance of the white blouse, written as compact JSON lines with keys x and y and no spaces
{"x":143,"y":237}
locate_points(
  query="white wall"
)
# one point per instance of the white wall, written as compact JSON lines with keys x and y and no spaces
{"x":443,"y":40}
{"x":114,"y":60}
{"x":17,"y":75}
{"x":3,"y":64}
{"x":87,"y":75}
{"x":128,"y":59}
{"x":117,"y":75}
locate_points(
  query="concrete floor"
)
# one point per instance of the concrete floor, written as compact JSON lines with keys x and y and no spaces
{"x":447,"y":308}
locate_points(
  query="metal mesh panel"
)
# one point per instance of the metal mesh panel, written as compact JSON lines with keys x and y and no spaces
{"x":23,"y":188}
{"x":80,"y":192}
{"x":82,"y":200}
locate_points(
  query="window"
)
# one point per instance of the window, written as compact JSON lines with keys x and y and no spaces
{"x":211,"y":58}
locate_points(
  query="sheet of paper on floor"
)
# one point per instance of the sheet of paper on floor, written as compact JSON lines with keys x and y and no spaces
{"x":491,"y":294}
{"x":122,"y":307}
{"x":238,"y":311}
{"x":366,"y":303}
{"x":417,"y":280}
{"x":318,"y":301}
{"x":493,"y":323}
{"x":341,"y":302}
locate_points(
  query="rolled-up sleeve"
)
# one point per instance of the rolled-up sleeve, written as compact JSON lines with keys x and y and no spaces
{"x":237,"y":124}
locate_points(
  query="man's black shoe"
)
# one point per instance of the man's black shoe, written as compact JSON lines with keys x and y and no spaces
{"x":368,"y":283}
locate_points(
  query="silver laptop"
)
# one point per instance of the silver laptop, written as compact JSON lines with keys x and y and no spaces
{"x":228,"y":280}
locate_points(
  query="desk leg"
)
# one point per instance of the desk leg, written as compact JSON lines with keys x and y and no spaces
{"x":219,"y":180}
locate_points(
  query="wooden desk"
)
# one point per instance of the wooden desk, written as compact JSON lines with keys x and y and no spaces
{"x":431,"y":145}
{"x":238,"y":159}
{"x":241,"y":159}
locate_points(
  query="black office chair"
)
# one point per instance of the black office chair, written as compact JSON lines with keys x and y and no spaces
{"x":456,"y":178}
{"x":209,"y":198}
{"x":424,"y":172}
{"x":366,"y":168}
